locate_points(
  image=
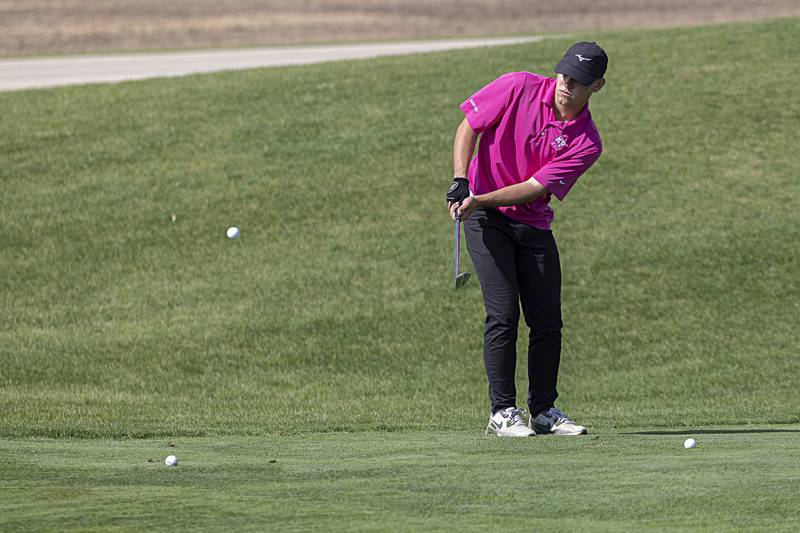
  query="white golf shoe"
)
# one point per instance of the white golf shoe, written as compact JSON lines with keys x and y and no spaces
{"x":555,"y":422}
{"x":509,"y":422}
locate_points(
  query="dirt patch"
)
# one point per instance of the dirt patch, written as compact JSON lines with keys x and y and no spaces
{"x":30,"y":27}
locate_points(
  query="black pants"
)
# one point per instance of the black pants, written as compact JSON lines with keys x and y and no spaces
{"x":517,"y":264}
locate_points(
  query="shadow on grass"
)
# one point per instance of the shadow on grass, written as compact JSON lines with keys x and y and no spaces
{"x":689,"y":431}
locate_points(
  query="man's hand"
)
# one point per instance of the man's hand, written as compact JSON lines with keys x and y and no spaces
{"x":465,"y":208}
{"x":457,"y":194}
{"x":458,"y":190}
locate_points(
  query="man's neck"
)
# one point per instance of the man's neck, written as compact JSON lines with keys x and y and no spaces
{"x":565,"y":114}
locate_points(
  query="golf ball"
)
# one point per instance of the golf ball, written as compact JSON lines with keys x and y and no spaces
{"x":689,"y":443}
{"x":233,"y":232}
{"x":171,"y":461}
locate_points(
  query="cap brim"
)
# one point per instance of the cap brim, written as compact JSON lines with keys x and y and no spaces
{"x":571,"y":70}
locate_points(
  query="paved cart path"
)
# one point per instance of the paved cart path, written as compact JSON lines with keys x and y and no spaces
{"x":31,"y":73}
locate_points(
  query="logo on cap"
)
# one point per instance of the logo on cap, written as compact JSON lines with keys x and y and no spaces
{"x":581,"y":58}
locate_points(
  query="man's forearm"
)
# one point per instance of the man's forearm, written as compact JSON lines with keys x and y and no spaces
{"x":519,"y":193}
{"x":463,"y":148}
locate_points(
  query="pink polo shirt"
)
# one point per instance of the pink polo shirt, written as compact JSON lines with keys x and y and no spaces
{"x":521,"y":138}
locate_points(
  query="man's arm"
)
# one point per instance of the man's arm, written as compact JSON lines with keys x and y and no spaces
{"x":519,"y":193}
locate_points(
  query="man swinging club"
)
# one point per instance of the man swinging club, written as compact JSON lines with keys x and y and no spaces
{"x":537,"y":139}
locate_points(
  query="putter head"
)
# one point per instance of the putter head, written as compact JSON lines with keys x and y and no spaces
{"x":461,"y":280}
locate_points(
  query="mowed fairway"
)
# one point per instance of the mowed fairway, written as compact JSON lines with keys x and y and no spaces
{"x":328,"y":340}
{"x":407,"y":481}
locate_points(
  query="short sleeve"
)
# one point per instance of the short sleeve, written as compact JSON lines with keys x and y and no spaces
{"x":559,"y":175}
{"x":486,"y":107}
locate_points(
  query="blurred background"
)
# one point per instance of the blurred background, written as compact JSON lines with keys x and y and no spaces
{"x":31,"y":27}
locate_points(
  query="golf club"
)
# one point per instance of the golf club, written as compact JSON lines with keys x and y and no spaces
{"x":459,"y":279}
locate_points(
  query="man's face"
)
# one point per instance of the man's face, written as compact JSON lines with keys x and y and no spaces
{"x":572,"y":94}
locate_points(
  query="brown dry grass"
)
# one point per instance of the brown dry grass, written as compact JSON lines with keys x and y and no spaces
{"x":72,"y":26}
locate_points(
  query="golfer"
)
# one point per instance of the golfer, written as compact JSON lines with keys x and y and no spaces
{"x":537,"y":138}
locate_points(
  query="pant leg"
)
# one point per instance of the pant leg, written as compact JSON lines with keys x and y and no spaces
{"x":491,"y":247}
{"x":539,"y":274}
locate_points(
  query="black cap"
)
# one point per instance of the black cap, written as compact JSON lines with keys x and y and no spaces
{"x":585,"y":62}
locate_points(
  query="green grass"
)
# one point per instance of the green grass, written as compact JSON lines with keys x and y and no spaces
{"x":408,"y":481}
{"x":334,"y":313}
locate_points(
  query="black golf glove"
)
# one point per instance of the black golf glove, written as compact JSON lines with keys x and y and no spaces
{"x":458,"y":191}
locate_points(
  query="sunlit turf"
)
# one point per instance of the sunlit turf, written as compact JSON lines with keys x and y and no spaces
{"x":680,"y":288}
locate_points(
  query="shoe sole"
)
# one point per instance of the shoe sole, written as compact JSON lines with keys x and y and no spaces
{"x":512,"y":435}
{"x":542,"y":431}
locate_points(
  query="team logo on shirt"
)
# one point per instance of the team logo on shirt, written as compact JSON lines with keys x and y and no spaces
{"x":559,"y":143}
{"x":474,"y":105}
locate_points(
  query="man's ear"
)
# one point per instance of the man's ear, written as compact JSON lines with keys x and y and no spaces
{"x":598,"y":84}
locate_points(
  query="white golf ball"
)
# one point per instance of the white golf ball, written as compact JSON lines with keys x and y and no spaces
{"x":233,"y":232}
{"x":171,"y":461}
{"x":689,"y":443}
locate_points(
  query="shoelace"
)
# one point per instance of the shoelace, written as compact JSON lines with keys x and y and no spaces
{"x":559,"y":416}
{"x":517,"y":416}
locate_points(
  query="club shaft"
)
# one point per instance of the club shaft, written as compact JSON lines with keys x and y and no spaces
{"x":458,"y":245}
